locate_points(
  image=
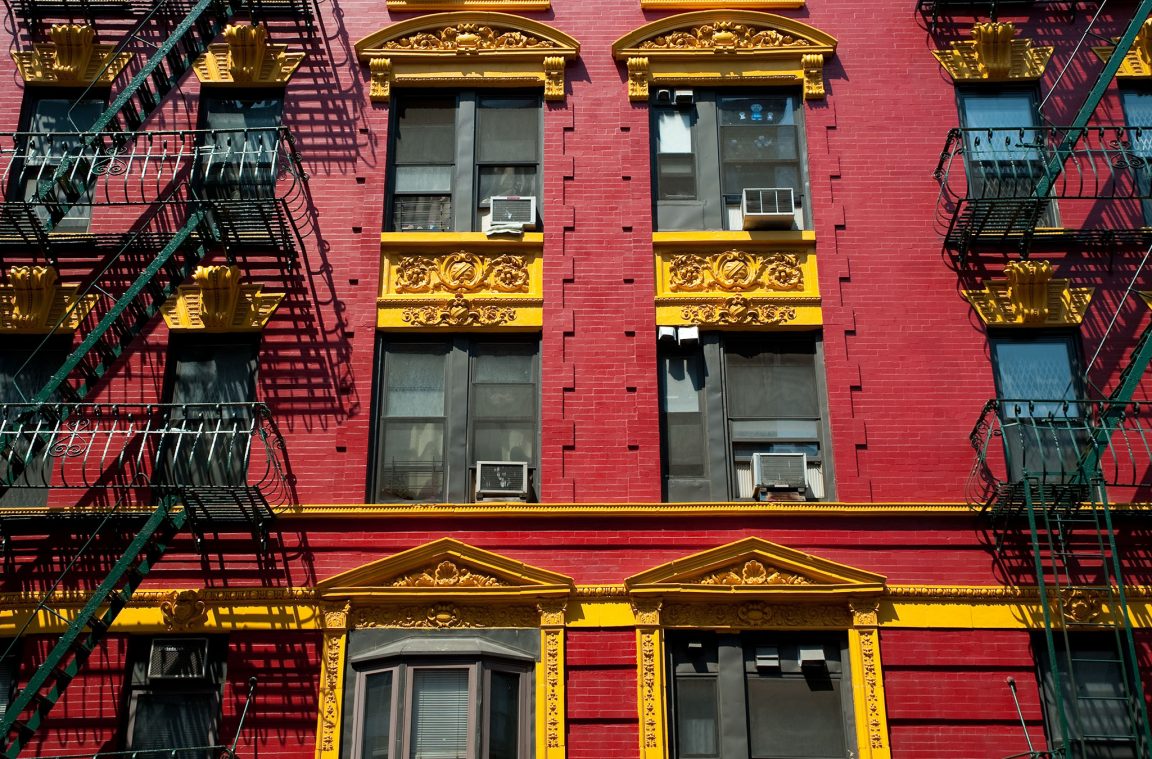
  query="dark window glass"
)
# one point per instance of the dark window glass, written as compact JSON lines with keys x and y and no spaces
{"x":425,"y":158}
{"x":174,"y":695}
{"x":697,"y":733}
{"x":377,"y":716}
{"x":503,"y":402}
{"x":411,"y":465}
{"x":681,"y":387}
{"x":240,"y":158}
{"x":54,"y":124}
{"x":504,"y":716}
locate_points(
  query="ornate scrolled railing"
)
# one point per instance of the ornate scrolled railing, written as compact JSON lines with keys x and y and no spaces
{"x":86,"y":446}
{"x":1060,"y":443}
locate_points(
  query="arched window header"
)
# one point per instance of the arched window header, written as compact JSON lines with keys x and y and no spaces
{"x":725,"y":48}
{"x":470,"y":50}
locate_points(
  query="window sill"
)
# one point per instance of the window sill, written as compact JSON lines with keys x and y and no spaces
{"x":706,"y":237}
{"x":435,"y":239}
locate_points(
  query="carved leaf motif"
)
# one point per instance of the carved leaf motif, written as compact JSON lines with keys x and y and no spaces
{"x":446,"y":616}
{"x":468,"y":37}
{"x":734,"y":271}
{"x":752,"y":572}
{"x":462,"y":272}
{"x":446,"y":574}
{"x":738,"y":310}
{"x":724,"y":35}
{"x":458,"y":312}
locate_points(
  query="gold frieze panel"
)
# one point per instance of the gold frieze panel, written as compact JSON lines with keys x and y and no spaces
{"x":33,"y":301}
{"x":246,"y":59}
{"x":994,"y":54}
{"x":469,"y":5}
{"x":761,"y":5}
{"x":460,"y":281}
{"x":72,"y":58}
{"x":756,"y":615}
{"x":729,"y":47}
{"x":445,"y":615}
{"x":1138,"y":63}
{"x":747,"y":284}
{"x":467,"y":48}
{"x":1029,"y":296}
{"x":218,"y":302}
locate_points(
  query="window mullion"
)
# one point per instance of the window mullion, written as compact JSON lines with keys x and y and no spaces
{"x":465,"y":178}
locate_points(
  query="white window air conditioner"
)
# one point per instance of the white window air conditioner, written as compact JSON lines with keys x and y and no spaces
{"x":768,"y":207}
{"x":501,"y":481}
{"x":513,"y":212}
{"x":178,"y":659}
{"x":777,"y":473}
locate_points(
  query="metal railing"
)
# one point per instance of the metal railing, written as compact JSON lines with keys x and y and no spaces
{"x":117,"y":446}
{"x":1060,"y":443}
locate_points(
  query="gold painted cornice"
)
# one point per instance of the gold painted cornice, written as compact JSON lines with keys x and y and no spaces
{"x":246,"y":59}
{"x":696,"y":5}
{"x":1029,"y":296}
{"x":469,"y":49}
{"x":1146,"y":296}
{"x":1138,"y":63}
{"x":33,"y":302}
{"x":72,"y":58}
{"x":994,"y":54}
{"x":659,"y":510}
{"x":468,"y":5}
{"x":460,"y":281}
{"x":737,"y":282}
{"x":217,"y":302}
{"x":728,"y":47}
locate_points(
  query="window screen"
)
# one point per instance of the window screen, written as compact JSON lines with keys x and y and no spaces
{"x":377,"y":728}
{"x":503,"y":402}
{"x":411,"y":464}
{"x":440,"y":714}
{"x":425,"y":156}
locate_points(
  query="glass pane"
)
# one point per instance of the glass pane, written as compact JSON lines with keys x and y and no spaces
{"x":758,"y":143}
{"x":999,"y":111}
{"x":244,"y":114}
{"x":415,"y":444}
{"x":439,"y":714}
{"x":737,"y":176}
{"x":674,"y":132}
{"x":427,"y":179}
{"x":696,"y":723}
{"x":172,"y":721}
{"x":414,"y":380}
{"x":426,"y":132}
{"x":512,"y":362}
{"x":677,"y":176}
{"x":422,"y":213}
{"x":377,"y":716}
{"x":999,"y":128}
{"x":684,"y":444}
{"x":771,"y":429}
{"x":1036,"y":370}
{"x":504,"y":441}
{"x":1138,"y":113}
{"x":681,"y":382}
{"x":215,"y":374}
{"x":770,"y":385}
{"x":746,"y":111}
{"x":504,"y":716}
{"x":508,"y":131}
{"x":506,"y":180}
{"x":799,"y":717}
{"x":504,"y":402}
{"x":53,"y":115}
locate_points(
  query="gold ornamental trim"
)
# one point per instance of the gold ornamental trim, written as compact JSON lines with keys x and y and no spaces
{"x":472,"y":5}
{"x":459,"y":312}
{"x":1029,"y":296}
{"x":446,"y":615}
{"x":994,"y":54}
{"x":1146,"y":296}
{"x":1138,"y":63}
{"x":729,"y":47}
{"x":762,"y":5}
{"x":184,"y":610}
{"x":469,"y":49}
{"x":72,"y":58}
{"x":753,"y":572}
{"x":446,"y":574}
{"x":462,"y":272}
{"x":247,"y":59}
{"x":217,"y":302}
{"x":34,"y":302}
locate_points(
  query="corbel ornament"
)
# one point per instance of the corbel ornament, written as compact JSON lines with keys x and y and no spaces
{"x":1138,"y":63}
{"x":1029,"y":296}
{"x":737,"y":280}
{"x":458,"y":281}
{"x":994,"y":54}
{"x":184,"y":610}
{"x":246,"y":59}
{"x":217,"y":302}
{"x":467,"y":48}
{"x":335,"y":618}
{"x":728,"y":47}
{"x":34,"y":302}
{"x":71,"y":58}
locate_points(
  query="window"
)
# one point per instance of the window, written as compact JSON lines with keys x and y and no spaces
{"x":443,"y":697}
{"x":25,"y":367}
{"x":445,"y":405}
{"x":731,"y":396}
{"x":1137,"y":105}
{"x":53,"y":124}
{"x":759,"y":695}
{"x":239,"y":159}
{"x":9,"y":662}
{"x":1093,"y":686}
{"x":174,"y":688}
{"x":710,"y":147}
{"x":451,"y":154}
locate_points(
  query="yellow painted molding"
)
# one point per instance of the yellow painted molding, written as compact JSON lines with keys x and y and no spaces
{"x":331,"y":697}
{"x":1146,"y":295}
{"x":762,"y":5}
{"x":650,"y":689}
{"x":725,"y":47}
{"x":550,"y":678}
{"x":217,"y":302}
{"x":994,"y":54}
{"x":871,"y":711}
{"x":246,"y":59}
{"x":460,"y":281}
{"x":72,"y":58}
{"x":519,"y":510}
{"x":1138,"y":63}
{"x":467,"y":49}
{"x":1029,"y":296}
{"x":34,"y":302}
{"x":475,"y":5}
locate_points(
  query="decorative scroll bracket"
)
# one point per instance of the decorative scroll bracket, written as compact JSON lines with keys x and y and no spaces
{"x":245,"y":59}
{"x":34,"y":302}
{"x":217,"y":302}
{"x":1029,"y":296}
{"x":994,"y":54}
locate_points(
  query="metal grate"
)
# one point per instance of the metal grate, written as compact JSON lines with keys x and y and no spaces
{"x":178,"y":659}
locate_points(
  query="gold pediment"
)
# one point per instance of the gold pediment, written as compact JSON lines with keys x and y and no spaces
{"x":72,"y":58}
{"x":725,"y":47}
{"x":246,"y":59}
{"x":697,"y":5}
{"x":466,"y":49}
{"x":757,"y":568}
{"x":34,"y":302}
{"x":1029,"y":296}
{"x":737,"y":280}
{"x":994,"y":54}
{"x":470,"y":5}
{"x":445,"y":567}
{"x":218,"y":302}
{"x":1137,"y":64}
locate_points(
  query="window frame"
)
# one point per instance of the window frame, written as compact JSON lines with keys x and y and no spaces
{"x":714,"y":207}
{"x":464,"y":192}
{"x":1140,"y":147}
{"x":244,"y":184}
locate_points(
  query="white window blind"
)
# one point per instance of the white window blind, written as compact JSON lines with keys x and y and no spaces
{"x":440,"y":714}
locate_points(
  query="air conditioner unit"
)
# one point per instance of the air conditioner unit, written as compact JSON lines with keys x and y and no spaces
{"x":768,"y":207}
{"x":514,"y":211}
{"x":501,"y":480}
{"x":178,"y":659}
{"x":779,"y":473}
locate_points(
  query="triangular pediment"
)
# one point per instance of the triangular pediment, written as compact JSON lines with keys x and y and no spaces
{"x":444,"y":567}
{"x":754,"y":566}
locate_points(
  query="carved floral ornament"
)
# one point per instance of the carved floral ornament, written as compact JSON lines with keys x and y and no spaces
{"x":71,"y":58}
{"x":1029,"y":296}
{"x":994,"y":54}
{"x":183,"y":610}
{"x":218,"y":302}
{"x":246,"y":58}
{"x":725,"y":47}
{"x":461,"y":49}
{"x":462,"y":272}
{"x":33,"y":301}
{"x":739,"y":311}
{"x":734,"y":271}
{"x":1137,"y":64}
